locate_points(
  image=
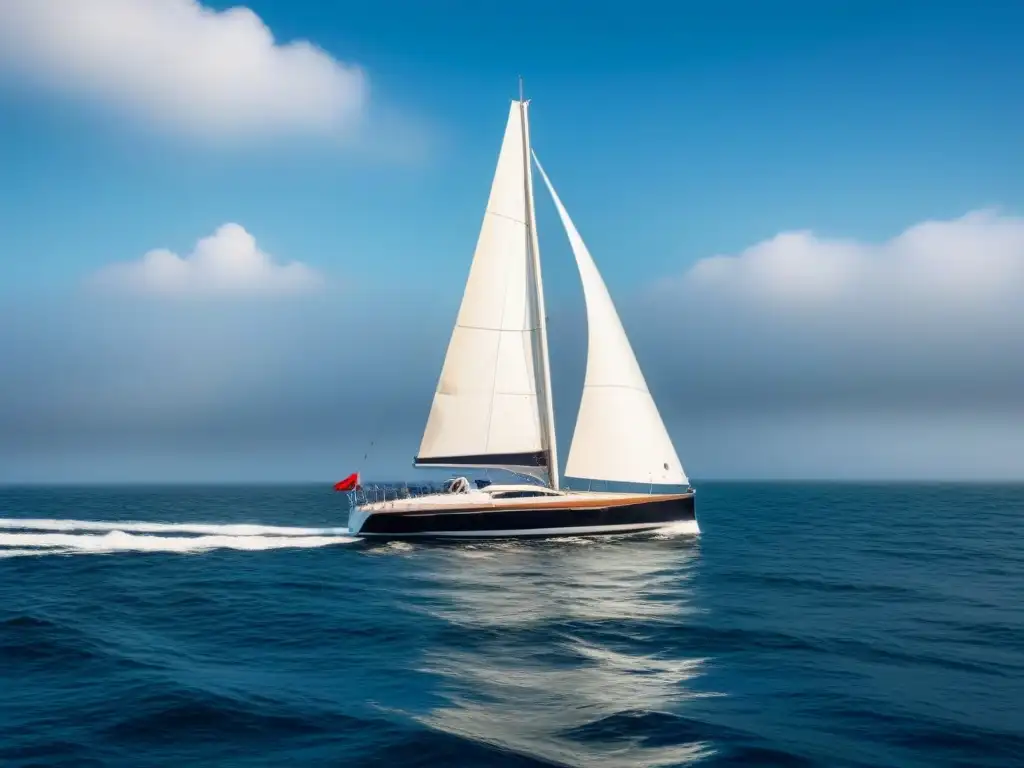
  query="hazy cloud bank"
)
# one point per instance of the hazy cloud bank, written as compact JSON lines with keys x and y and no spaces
{"x":801,"y":356}
{"x":933,"y":317}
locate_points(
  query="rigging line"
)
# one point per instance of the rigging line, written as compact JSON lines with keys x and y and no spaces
{"x":362,"y":465}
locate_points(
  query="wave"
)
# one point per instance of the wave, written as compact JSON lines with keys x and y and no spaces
{"x":681,"y":528}
{"x":17,"y":552}
{"x":22,"y":537}
{"x":228,"y":529}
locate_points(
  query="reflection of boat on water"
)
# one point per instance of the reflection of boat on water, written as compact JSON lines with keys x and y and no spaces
{"x":493,"y":404}
{"x":571,"y":652}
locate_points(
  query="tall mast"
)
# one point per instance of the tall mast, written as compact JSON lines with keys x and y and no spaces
{"x":546,"y":404}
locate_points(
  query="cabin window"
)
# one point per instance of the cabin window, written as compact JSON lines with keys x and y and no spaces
{"x":518,"y":494}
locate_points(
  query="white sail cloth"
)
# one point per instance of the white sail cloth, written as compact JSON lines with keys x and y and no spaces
{"x":619,"y":435}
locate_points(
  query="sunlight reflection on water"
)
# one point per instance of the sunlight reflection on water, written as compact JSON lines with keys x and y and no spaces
{"x":582,"y":704}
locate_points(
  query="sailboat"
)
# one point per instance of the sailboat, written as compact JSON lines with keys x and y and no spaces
{"x":493,"y":408}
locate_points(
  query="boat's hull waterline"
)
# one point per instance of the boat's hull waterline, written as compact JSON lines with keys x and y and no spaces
{"x":573,"y":517}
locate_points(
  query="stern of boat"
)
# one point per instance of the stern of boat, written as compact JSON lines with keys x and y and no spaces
{"x":357,"y":517}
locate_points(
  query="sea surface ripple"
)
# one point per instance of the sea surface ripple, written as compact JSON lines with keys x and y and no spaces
{"x":809,"y":625}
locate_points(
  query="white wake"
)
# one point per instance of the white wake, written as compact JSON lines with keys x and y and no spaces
{"x":227,"y":529}
{"x":22,"y":537}
{"x":681,"y":528}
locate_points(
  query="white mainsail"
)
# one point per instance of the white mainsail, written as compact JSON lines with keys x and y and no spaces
{"x":492,"y":403}
{"x":619,"y":436}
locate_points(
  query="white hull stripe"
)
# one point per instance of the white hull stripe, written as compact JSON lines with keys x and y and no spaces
{"x":681,"y":527}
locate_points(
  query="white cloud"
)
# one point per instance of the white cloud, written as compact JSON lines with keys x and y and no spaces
{"x":227,"y":263}
{"x":930,"y":319}
{"x":974,"y":262}
{"x":181,"y":65}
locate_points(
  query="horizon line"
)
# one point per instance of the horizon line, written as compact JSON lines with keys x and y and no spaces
{"x":693,"y":481}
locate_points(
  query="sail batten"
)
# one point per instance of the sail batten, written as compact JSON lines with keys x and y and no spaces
{"x":486,"y":410}
{"x":619,"y":436}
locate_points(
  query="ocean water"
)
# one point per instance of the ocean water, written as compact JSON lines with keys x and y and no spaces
{"x":810,"y":625}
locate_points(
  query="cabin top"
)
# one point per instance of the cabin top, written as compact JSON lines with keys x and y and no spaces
{"x":520,"y":491}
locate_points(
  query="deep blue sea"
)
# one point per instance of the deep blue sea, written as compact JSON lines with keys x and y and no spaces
{"x":809,"y":625}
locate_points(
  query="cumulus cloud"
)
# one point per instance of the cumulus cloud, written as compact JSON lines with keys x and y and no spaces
{"x":969,"y":262}
{"x":227,"y":263}
{"x":182,"y":65}
{"x":932,"y":318}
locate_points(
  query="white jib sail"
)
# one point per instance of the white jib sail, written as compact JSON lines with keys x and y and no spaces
{"x":619,"y":436}
{"x":486,"y":409}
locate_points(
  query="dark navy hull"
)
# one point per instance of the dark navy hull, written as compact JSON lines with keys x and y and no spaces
{"x":538,"y":521}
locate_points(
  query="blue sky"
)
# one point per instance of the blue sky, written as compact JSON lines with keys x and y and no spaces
{"x":675,"y":132}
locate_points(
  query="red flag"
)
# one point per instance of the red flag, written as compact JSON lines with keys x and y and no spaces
{"x":350,"y":483}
